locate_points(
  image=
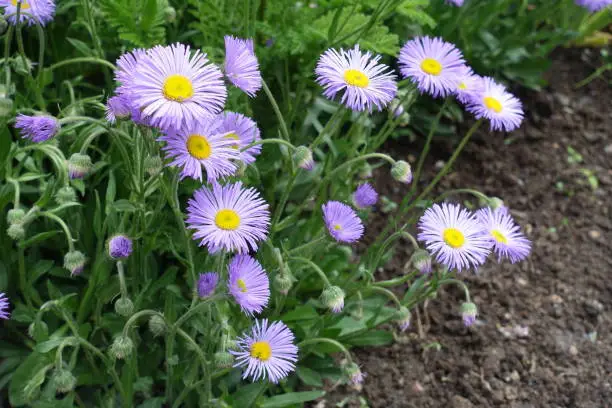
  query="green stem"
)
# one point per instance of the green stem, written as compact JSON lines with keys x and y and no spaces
{"x":475,"y":193}
{"x":279,"y":115}
{"x":195,"y":309}
{"x":16,"y":186}
{"x":308,"y":244}
{"x":395,"y":282}
{"x":122,"y":285}
{"x":356,"y":159}
{"x":338,"y":113}
{"x":271,"y":140}
{"x":459,"y":283}
{"x":40,"y":101}
{"x":64,"y":227}
{"x":329,"y":341}
{"x":387,"y":293}
{"x":134,"y":318}
{"x":283,"y":200}
{"x":313,"y":266}
{"x":7,"y":51}
{"x":90,"y":60}
{"x":23,"y":283}
{"x":196,"y":349}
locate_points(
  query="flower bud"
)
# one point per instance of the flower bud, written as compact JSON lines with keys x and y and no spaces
{"x":74,"y":261}
{"x":223,"y":359}
{"x":402,"y":172}
{"x":365,"y":171}
{"x":421,"y":261}
{"x":16,"y":231}
{"x":207,"y":283}
{"x":153,"y":165}
{"x":122,"y":347}
{"x":170,"y":14}
{"x":119,"y":247}
{"x":6,"y":107}
{"x":157,"y":325}
{"x":354,"y":374}
{"x":333,"y":298}
{"x":495,"y":203}
{"x":23,"y":66}
{"x":283,"y":282}
{"x":468,"y":313}
{"x":38,"y":330}
{"x":403,"y":318}
{"x":65,"y":195}
{"x":79,"y":165}
{"x":15,"y":216}
{"x":124,"y":307}
{"x":63,"y":380}
{"x":303,"y":158}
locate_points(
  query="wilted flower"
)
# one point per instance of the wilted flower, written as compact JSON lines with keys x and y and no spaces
{"x":342,"y":222}
{"x":207,"y":283}
{"x":32,"y":11}
{"x":241,"y":66}
{"x":491,"y":101}
{"x":303,"y":158}
{"x":37,"y":128}
{"x":79,"y":165}
{"x":454,"y":236}
{"x":248,"y":284}
{"x":74,"y":261}
{"x":402,"y":172}
{"x":468,"y":313}
{"x":333,"y":298}
{"x":365,"y":82}
{"x":119,"y":247}
{"x":4,"y":305}
{"x":433,"y":64}
{"x":242,"y":131}
{"x":267,"y":352}
{"x":228,"y":217}
{"x":504,"y":234}
{"x":118,"y":107}
{"x":365,"y":196}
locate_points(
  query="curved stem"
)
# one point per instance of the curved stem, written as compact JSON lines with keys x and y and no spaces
{"x":356,"y":159}
{"x":195,"y":347}
{"x":410,"y":238}
{"x":475,"y":193}
{"x":279,"y":115}
{"x":64,"y":227}
{"x":387,"y":293}
{"x":329,"y":341}
{"x":460,"y":284}
{"x":313,"y":266}
{"x":132,"y":320}
{"x":396,"y":281}
{"x":109,"y":366}
{"x":194,"y":309}
{"x":90,"y":60}
{"x":15,"y":184}
{"x":270,"y":140}
{"x":69,"y":119}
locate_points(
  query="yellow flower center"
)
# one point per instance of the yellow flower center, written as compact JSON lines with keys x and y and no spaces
{"x":241,"y":285}
{"x":492,"y":104}
{"x":233,"y":136}
{"x":499,"y":237}
{"x":24,"y":4}
{"x":261,"y":350}
{"x":178,"y":88}
{"x":431,"y":66}
{"x":337,"y":227}
{"x":356,"y":78}
{"x":453,"y":237}
{"x":198,"y":147}
{"x":227,"y":219}
{"x":462,"y":86}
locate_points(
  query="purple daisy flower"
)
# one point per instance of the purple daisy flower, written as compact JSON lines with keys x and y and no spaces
{"x":201,"y":145}
{"x":37,"y":128}
{"x":366,"y":83}
{"x":174,"y":88}
{"x":504,"y":234}
{"x":457,"y":3}
{"x":228,"y":217}
{"x":267,"y":352}
{"x":342,"y":222}
{"x":241,"y":66}
{"x":493,"y":102}
{"x":454,"y":236}
{"x":433,"y":64}
{"x":207,"y":283}
{"x":119,"y":247}
{"x":244,"y":131}
{"x":4,"y":305}
{"x":32,"y":11}
{"x":594,"y":5}
{"x":365,"y":196}
{"x":248,"y":284}
{"x":468,"y":85}
{"x":126,"y":66}
{"x":118,"y":107}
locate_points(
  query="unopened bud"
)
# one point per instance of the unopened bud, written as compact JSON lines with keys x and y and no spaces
{"x":303,"y":158}
{"x":119,"y":247}
{"x":153,"y":165}
{"x":170,"y":14}
{"x":157,"y":325}
{"x":333,"y":298}
{"x":38,"y":330}
{"x":122,"y":347}
{"x":421,"y":261}
{"x":79,"y":165}
{"x":63,"y":380}
{"x":402,"y":172}
{"x":495,"y":203}
{"x":23,"y":66}
{"x":124,"y":307}
{"x":365,"y":171}
{"x":468,"y":313}
{"x":354,"y":374}
{"x":6,"y":107}
{"x":404,"y":318}
{"x":15,"y":216}
{"x":16,"y":232}
{"x":74,"y":261}
{"x":66,"y":195}
{"x":223,"y":359}
{"x":283,"y":282}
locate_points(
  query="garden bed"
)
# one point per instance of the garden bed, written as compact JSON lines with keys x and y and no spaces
{"x":542,"y":336}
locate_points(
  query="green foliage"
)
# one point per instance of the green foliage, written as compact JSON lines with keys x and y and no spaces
{"x":139,"y":22}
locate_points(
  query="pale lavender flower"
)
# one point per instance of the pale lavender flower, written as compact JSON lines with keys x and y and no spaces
{"x":504,"y":234}
{"x":364,"y":81}
{"x":468,"y":85}
{"x":491,"y":101}
{"x":32,"y":11}
{"x":243,"y":131}
{"x":119,"y":247}
{"x":454,"y":236}
{"x":4,"y":305}
{"x":118,"y":107}
{"x":457,"y":3}
{"x":174,"y":88}
{"x":201,"y":145}
{"x":248,"y":284}
{"x":433,"y":64}
{"x":365,"y":196}
{"x":37,"y":128}
{"x":228,"y":217}
{"x":207,"y":283}
{"x":594,"y":5}
{"x":241,"y":66}
{"x":342,"y":222}
{"x":267,"y":352}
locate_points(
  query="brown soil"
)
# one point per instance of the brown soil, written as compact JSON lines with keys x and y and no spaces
{"x":542,"y":338}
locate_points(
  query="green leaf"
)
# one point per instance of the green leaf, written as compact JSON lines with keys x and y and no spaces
{"x":372,"y":338}
{"x":41,"y":267}
{"x":309,"y":376}
{"x":21,"y":377}
{"x":246,"y":396}
{"x":111,"y":191}
{"x":305,"y":312}
{"x":292,"y":398}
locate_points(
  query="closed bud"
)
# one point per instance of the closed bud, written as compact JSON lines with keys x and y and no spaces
{"x":124,"y":307}
{"x":468,"y":313}
{"x":119,"y":247}
{"x":15,"y":216}
{"x":421,"y":261}
{"x":403,"y":318}
{"x":23,"y":66}
{"x":495,"y":203}
{"x":170,"y":14}
{"x":38,"y":330}
{"x":365,"y":171}
{"x":75,"y":261}
{"x":153,"y":165}
{"x":354,"y":373}
{"x":65,"y":195}
{"x":16,"y":231}
{"x":303,"y":158}
{"x":402,"y":172}
{"x":333,"y":298}
{"x":63,"y":380}
{"x":223,"y":359}
{"x":283,"y":282}
{"x":157,"y":325}
{"x":79,"y":165}
{"x":6,"y":107}
{"x":122,"y":347}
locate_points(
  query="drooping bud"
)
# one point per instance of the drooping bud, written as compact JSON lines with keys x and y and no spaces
{"x":16,"y":231}
{"x":421,"y":261}
{"x":124,"y":307}
{"x":404,"y":318}
{"x":333,"y":298}
{"x":79,"y":165}
{"x":63,"y":380}
{"x":283,"y":282}
{"x":38,"y":330}
{"x":468,"y":313}
{"x":495,"y":203}
{"x":170,"y":14}
{"x":153,"y":165}
{"x":6,"y":107}
{"x":354,"y":373}
{"x":65,"y":195}
{"x":75,"y":261}
{"x":303,"y":158}
{"x":15,"y":216}
{"x":119,"y":247}
{"x":157,"y":325}
{"x":223,"y":359}
{"x":122,"y":347}
{"x":402,"y":172}
{"x":22,"y":65}
{"x":365,"y":171}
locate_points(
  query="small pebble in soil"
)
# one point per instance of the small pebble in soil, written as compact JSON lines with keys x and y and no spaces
{"x":573,"y":350}
{"x":417,"y":388}
{"x":439,"y":164}
{"x":522,"y":281}
{"x":594,"y":234}
{"x":593,"y":307}
{"x":608,"y":149}
{"x":556,"y":299}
